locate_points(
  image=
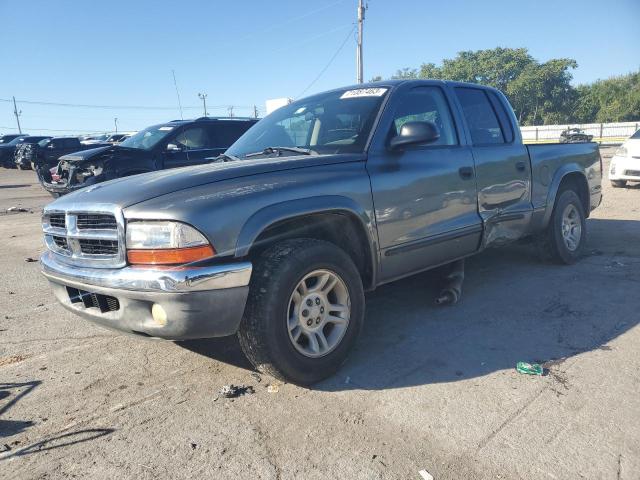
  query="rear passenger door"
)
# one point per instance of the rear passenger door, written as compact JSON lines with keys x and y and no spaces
{"x":424,"y":195}
{"x":503,"y":171}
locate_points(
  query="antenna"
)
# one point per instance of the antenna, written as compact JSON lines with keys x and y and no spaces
{"x":17,"y":114}
{"x":173,"y":72}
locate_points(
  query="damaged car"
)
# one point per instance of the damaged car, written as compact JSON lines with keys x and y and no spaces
{"x":178,"y":143}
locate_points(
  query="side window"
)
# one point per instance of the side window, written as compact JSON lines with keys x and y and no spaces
{"x":58,"y":143}
{"x":503,"y":116}
{"x":70,"y":143}
{"x":426,"y":104}
{"x":480,"y":115}
{"x":193,"y":138}
{"x":224,"y":134}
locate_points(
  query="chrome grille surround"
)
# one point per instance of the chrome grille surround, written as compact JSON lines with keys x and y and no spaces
{"x":74,"y":254}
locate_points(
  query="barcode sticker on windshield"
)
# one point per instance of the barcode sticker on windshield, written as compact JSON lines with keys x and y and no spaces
{"x":364,"y":92}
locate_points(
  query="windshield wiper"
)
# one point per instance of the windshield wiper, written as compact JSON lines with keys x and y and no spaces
{"x":224,"y":158}
{"x":279,"y":150}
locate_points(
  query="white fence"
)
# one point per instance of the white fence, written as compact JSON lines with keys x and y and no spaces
{"x":606,"y":133}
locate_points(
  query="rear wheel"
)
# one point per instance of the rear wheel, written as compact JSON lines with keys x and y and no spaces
{"x":618,"y":183}
{"x":564,"y":238}
{"x":304,"y":312}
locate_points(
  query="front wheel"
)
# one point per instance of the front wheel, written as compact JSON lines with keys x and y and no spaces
{"x":304,"y":312}
{"x":618,"y":183}
{"x":564,"y":238}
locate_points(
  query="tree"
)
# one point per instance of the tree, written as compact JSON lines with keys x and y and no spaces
{"x":616,"y":99}
{"x":539,"y":92}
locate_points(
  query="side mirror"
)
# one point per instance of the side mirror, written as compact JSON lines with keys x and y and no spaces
{"x":413,"y":133}
{"x":172,"y":147}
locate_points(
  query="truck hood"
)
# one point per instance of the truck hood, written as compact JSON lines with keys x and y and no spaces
{"x":128,"y":191}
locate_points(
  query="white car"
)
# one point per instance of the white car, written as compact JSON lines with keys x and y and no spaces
{"x":625,"y":164}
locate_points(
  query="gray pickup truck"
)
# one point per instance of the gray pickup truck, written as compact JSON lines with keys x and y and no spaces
{"x":278,"y":239}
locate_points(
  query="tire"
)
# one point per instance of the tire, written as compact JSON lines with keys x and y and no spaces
{"x":618,"y":183}
{"x":553,"y":244}
{"x":266,"y":334}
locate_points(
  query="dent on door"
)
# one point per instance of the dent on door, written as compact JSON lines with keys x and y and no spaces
{"x":504,"y":192}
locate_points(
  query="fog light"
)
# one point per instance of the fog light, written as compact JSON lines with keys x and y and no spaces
{"x":159,"y":314}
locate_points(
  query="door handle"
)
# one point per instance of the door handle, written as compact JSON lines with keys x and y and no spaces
{"x":466,"y":172}
{"x":520,"y":166}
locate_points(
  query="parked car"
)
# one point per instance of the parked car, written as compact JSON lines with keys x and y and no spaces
{"x":574,"y":135}
{"x":47,"y":153}
{"x":22,"y":157}
{"x":4,"y":139}
{"x":625,"y":164}
{"x":280,"y":237}
{"x":94,"y":139}
{"x":168,"y":145}
{"x":8,"y":149}
{"x":117,"y":137}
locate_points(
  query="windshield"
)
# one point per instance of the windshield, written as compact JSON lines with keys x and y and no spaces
{"x":333,"y":122}
{"x":148,"y":138}
{"x":7,"y":138}
{"x":16,"y":141}
{"x":636,"y":135}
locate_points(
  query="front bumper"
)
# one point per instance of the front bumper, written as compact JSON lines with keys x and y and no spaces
{"x":624,"y":168}
{"x":189,"y":303}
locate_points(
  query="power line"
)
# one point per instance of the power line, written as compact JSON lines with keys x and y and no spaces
{"x":329,"y":63}
{"x":120,"y":107}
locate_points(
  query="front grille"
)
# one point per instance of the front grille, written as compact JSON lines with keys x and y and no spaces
{"x":92,"y":221}
{"x":56,"y":220}
{"x":91,"y":246}
{"x":632,"y":173}
{"x":104,"y":303}
{"x":86,"y":237}
{"x":61,"y":242}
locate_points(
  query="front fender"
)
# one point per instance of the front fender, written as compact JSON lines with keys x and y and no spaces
{"x":288,"y":210}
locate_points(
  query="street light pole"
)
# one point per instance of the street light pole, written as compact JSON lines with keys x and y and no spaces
{"x":115,"y":121}
{"x":359,"y":65}
{"x":203,"y":97}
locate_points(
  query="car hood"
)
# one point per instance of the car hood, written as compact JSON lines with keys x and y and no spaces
{"x":633,"y":147}
{"x":128,"y":191}
{"x":90,"y":154}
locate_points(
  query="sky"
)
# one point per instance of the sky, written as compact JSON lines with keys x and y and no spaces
{"x":120,"y":54}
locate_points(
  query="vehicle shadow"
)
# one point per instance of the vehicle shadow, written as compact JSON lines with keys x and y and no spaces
{"x":514,"y":307}
{"x":59,"y":441}
{"x":7,"y":392}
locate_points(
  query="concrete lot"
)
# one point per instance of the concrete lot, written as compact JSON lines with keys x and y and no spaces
{"x":427,"y":388}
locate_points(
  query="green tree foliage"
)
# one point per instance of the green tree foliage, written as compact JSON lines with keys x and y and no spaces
{"x":541,"y":93}
{"x":616,"y":99}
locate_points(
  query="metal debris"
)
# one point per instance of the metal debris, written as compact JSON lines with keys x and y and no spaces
{"x":234,"y":391}
{"x":18,"y":209}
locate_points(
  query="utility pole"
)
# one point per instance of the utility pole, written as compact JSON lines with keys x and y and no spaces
{"x":359,"y":66}
{"x":203,"y":97}
{"x":17,"y":114}
{"x":230,"y":110}
{"x":115,"y":121}
{"x":255,"y":112}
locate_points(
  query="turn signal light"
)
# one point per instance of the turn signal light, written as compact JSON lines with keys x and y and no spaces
{"x":170,"y":256}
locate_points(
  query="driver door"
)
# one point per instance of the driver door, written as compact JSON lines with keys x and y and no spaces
{"x":424,"y":195}
{"x":189,"y":147}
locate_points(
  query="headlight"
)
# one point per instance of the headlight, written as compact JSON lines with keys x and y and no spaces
{"x":621,"y":152}
{"x":165,"y":243}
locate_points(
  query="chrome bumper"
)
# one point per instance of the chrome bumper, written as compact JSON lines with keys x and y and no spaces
{"x":197,"y":302}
